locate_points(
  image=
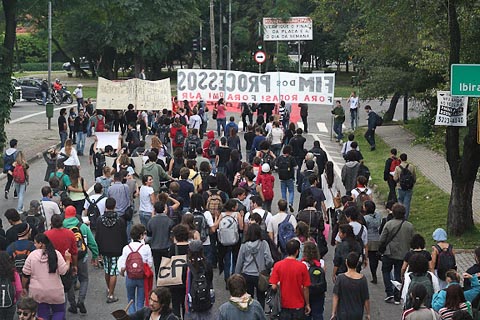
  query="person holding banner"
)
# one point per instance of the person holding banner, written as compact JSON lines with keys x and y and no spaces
{"x":219,"y":113}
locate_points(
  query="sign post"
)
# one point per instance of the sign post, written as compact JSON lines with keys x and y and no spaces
{"x":260,"y":58}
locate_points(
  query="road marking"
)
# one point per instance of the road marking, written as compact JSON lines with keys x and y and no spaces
{"x":322,"y":127}
{"x":38,"y":114}
{"x":335,"y":165}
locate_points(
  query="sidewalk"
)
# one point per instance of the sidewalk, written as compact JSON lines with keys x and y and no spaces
{"x":439,"y":174}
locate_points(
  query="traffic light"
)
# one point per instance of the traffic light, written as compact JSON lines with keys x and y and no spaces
{"x":195,"y":44}
{"x":259,"y":45}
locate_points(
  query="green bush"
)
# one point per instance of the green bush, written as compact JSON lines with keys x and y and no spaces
{"x":31,"y":48}
{"x":40,"y":66}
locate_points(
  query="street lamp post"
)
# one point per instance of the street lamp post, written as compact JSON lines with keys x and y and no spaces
{"x":49,"y":105}
{"x":229,"y":56}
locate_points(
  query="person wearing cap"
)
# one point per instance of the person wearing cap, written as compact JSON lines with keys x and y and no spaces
{"x":71,"y":221}
{"x":265,"y":182}
{"x":23,"y":245}
{"x":440,"y":237}
{"x":34,"y":218}
{"x":78,"y":93}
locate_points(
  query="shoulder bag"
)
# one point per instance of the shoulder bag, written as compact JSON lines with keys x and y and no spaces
{"x":383,"y":247}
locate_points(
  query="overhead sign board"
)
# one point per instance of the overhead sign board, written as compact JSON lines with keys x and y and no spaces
{"x":451,"y":111}
{"x":465,"y":80}
{"x":292,"y":29}
{"x":237,"y":86}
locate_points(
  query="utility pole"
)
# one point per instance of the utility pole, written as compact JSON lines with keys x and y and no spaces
{"x":49,"y":105}
{"x":229,"y":56}
{"x":213,"y":54}
{"x":220,"y":40}
{"x":201,"y":47}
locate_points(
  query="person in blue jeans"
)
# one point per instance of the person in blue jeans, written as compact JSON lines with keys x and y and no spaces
{"x":405,"y":190}
{"x":81,"y":124}
{"x":286,"y":165}
{"x":135,"y":285}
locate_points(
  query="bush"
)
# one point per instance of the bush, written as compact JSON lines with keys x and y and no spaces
{"x":40,"y":66}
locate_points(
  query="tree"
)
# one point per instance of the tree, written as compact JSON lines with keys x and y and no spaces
{"x":6,"y":64}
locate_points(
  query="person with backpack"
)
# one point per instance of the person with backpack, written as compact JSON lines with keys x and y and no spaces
{"x":348,"y":243}
{"x":228,"y":226}
{"x":453,"y":279}
{"x":294,"y":280}
{"x":203,"y":222}
{"x":155,"y":171}
{"x":394,"y":244}
{"x":418,"y":309}
{"x":443,"y":256}
{"x":315,"y":220}
{"x":405,"y":175}
{"x":350,"y":293}
{"x":246,"y":112}
{"x":265,"y":153}
{"x":105,"y":180}
{"x":35,"y":218}
{"x":159,"y":300}
{"x":130,"y":263}
{"x":200,"y":295}
{"x":350,"y":173}
{"x":192,"y":142}
{"x":95,"y":205}
{"x":318,"y":283}
{"x":46,"y":266}
{"x":9,"y":157}
{"x":303,"y":182}
{"x":298,"y":150}
{"x":20,"y":178}
{"x":281,"y":227}
{"x":254,"y":258}
{"x":390,"y":165}
{"x":286,"y":165}
{"x":84,"y":240}
{"x":418,"y":274}
{"x":19,"y":250}
{"x":210,"y":147}
{"x":265,"y":184}
{"x":373,"y":120}
{"x":51,"y":157}
{"x":111,"y":237}
{"x":222,"y":156}
{"x":178,"y":134}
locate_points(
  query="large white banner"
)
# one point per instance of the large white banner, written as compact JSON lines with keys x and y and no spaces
{"x":143,"y":94}
{"x":237,"y":86}
{"x":292,"y":29}
{"x":451,"y":111}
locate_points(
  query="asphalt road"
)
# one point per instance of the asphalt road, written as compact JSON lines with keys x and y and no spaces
{"x":319,"y":128}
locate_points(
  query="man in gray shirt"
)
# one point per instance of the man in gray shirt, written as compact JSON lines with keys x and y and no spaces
{"x":158,"y":229}
{"x":120,"y":192}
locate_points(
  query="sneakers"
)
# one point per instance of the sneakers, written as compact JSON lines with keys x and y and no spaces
{"x":6,"y":195}
{"x":388,"y":299}
{"x":112,"y":299}
{"x":81,"y":307}
{"x":72,"y":309}
{"x":397,"y":302}
{"x":291,"y":208}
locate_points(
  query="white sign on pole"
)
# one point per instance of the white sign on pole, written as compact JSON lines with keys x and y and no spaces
{"x":451,"y":111}
{"x":273,"y":87}
{"x":143,"y":94}
{"x":260,"y":57}
{"x":292,"y":29}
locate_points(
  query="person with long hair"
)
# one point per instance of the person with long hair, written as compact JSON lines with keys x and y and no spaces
{"x":44,"y":266}
{"x":302,"y":232}
{"x":290,"y":132}
{"x":347,"y":245}
{"x":454,"y":301}
{"x":77,"y":194}
{"x":373,"y":220}
{"x":220,"y":111}
{"x":224,"y":184}
{"x":222,"y":156}
{"x":8,"y":273}
{"x":187,"y":221}
{"x":311,"y":259}
{"x":197,"y":264}
{"x":253,"y":258}
{"x":71,"y":155}
{"x":234,"y":165}
{"x":331,"y":187}
{"x":418,"y":309}
{"x":233,"y":140}
{"x":176,"y":163}
{"x":350,"y":293}
{"x":147,"y":200}
{"x":158,"y":306}
{"x":20,"y":186}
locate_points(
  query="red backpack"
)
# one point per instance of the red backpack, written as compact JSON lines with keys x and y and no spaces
{"x":100,"y":124}
{"x":267,"y":186}
{"x":134,"y":264}
{"x":18,"y":174}
{"x":394,"y":164}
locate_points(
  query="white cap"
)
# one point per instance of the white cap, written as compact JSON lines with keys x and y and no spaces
{"x":79,"y":85}
{"x":265,"y":168}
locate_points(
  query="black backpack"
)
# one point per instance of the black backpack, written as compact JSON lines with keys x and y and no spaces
{"x":200,"y":294}
{"x":183,"y":120}
{"x":358,"y":237}
{"x":318,"y":281}
{"x":445,"y":261}
{"x":191,"y":149}
{"x":424,"y":280}
{"x":212,"y":149}
{"x":363,"y":171}
{"x":201,"y":225}
{"x":267,"y":158}
{"x":283,"y":168}
{"x":177,"y":165}
{"x":93,"y":212}
{"x":19,"y":258}
{"x":406,"y":178}
{"x":7,"y":293}
{"x":162,"y":133}
{"x":179,"y":136}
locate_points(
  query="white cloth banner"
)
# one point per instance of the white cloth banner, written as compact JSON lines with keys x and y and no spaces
{"x":273,"y":87}
{"x":451,"y":111}
{"x":143,"y":94}
{"x":107,"y":138}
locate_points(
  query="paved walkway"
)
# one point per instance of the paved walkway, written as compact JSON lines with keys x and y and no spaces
{"x":435,"y":168}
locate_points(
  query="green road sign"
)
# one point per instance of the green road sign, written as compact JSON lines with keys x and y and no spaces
{"x":465,"y":80}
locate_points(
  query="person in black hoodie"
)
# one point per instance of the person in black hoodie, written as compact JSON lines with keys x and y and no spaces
{"x":111,"y":237}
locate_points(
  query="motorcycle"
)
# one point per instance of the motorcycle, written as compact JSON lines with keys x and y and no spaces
{"x":58,"y":97}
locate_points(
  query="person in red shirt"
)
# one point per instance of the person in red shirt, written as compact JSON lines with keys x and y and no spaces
{"x":178,"y":139}
{"x":265,"y":182}
{"x":209,"y":152}
{"x":62,"y":238}
{"x":294,"y":280}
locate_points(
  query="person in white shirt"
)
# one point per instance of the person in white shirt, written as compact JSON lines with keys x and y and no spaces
{"x":78,"y":93}
{"x":48,"y":206}
{"x":277,"y":137}
{"x":256,"y":204}
{"x":354,"y":105}
{"x":272,"y":225}
{"x":195,"y":121}
{"x":98,"y":197}
{"x":70,"y":151}
{"x":147,"y":200}
{"x":135,"y":287}
{"x":361,"y":187}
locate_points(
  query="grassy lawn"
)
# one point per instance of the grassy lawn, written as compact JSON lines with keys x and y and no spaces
{"x":429,"y":205}
{"x":89,"y":92}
